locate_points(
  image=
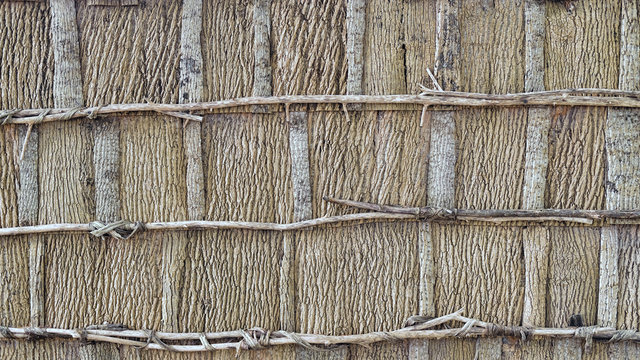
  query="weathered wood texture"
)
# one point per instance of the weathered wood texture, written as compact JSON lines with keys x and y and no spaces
{"x":153,"y":168}
{"x":399,"y":44}
{"x":26,"y":56}
{"x":582,"y":44}
{"x":227,"y":49}
{"x":342,"y":271}
{"x":576,"y":172}
{"x":130,"y":53}
{"x":573,"y":275}
{"x":227,"y":290}
{"x":364,"y":277}
{"x":490,"y":158}
{"x":257,"y":187}
{"x":494,"y":280}
{"x":312,"y":33}
{"x":378,"y":156}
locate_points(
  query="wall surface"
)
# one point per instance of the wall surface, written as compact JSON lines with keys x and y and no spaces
{"x":252,"y":164}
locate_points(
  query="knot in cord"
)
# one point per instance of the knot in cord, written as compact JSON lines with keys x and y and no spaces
{"x":122,"y":229}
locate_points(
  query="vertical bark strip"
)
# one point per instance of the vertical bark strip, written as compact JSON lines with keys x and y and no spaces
{"x":67,"y":82}
{"x":535,"y":238}
{"x":355,"y":45}
{"x":191,"y":91}
{"x":261,"y":48}
{"x":106,"y":158}
{"x":67,"y":92}
{"x":629,"y":75}
{"x":622,"y":189}
{"x":174,"y":250}
{"x":301,"y":182}
{"x":442,"y":156}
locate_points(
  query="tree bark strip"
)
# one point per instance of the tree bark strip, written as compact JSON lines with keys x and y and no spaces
{"x":356,"y":13}
{"x":261,"y":48}
{"x":442,"y":154}
{"x":535,"y":238}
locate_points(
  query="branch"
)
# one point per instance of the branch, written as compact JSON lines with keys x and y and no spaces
{"x":599,"y":97}
{"x":435,"y":213}
{"x":258,"y":338}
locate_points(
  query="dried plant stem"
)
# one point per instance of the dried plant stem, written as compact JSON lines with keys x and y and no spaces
{"x":602,"y":97}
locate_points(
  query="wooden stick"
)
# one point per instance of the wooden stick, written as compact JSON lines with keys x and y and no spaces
{"x":255,"y":338}
{"x":447,"y":98}
{"x":492,"y":215}
{"x":202,"y":225}
{"x":381,"y":213}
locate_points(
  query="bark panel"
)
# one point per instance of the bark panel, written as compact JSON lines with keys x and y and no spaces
{"x":582,"y":44}
{"x":380,"y":157}
{"x":490,"y":164}
{"x":130,"y":54}
{"x":357,"y":279}
{"x":92,"y":280}
{"x":576,"y":174}
{"x":247,"y":168}
{"x":483,"y":261}
{"x":153,"y":168}
{"x":573,"y":275}
{"x":232,"y":281}
{"x":308,"y":41}
{"x":26,"y":55}
{"x":227,"y":49}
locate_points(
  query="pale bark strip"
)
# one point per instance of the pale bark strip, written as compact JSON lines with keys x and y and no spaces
{"x":67,"y":79}
{"x":536,"y":159}
{"x":106,"y":158}
{"x":174,"y":249}
{"x":535,"y":238}
{"x":622,"y":185}
{"x":355,"y":45}
{"x":442,"y":156}
{"x":629,"y":77}
{"x":191,"y":91}
{"x":608,"y":293}
{"x":300,"y":179}
{"x":534,"y":15}
{"x":302,"y":210}
{"x":262,"y":48}
{"x":28,"y":216}
{"x":442,"y":160}
{"x":299,"y":147}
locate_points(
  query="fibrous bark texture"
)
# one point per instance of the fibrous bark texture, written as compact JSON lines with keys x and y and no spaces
{"x":377,"y":156}
{"x":309,"y":32}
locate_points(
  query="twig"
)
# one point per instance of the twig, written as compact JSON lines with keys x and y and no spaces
{"x":606,"y":97}
{"x":433,"y":78}
{"x":434,"y":213}
{"x":258,"y":338}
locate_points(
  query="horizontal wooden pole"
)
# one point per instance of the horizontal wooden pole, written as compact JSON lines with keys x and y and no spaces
{"x":380,"y":213}
{"x":434,"y":213}
{"x":599,"y":97}
{"x":258,"y":338}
